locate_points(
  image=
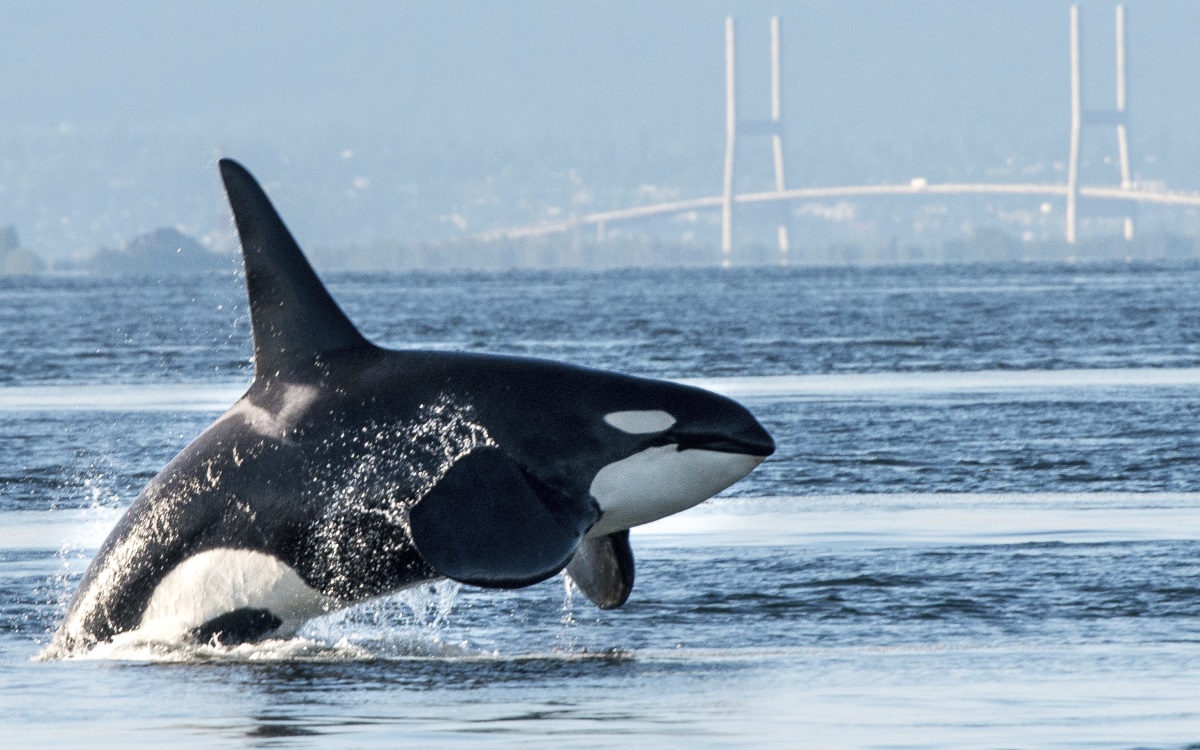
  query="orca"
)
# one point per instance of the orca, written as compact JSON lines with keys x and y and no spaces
{"x":349,"y":471}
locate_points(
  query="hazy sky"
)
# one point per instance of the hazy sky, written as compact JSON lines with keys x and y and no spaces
{"x":454,"y":90}
{"x":505,"y":73}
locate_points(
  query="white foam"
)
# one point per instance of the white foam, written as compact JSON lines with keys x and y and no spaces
{"x":138,"y":648}
{"x":304,"y":649}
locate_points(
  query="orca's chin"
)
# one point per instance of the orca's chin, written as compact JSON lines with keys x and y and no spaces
{"x":661,"y":481}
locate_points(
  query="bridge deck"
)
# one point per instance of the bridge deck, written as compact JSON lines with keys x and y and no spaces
{"x":1136,"y":195}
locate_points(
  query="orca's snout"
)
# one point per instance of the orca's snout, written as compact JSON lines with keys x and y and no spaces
{"x":727,"y":427}
{"x":748,"y":438}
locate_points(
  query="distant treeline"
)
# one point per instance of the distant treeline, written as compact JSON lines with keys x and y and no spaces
{"x":167,"y":251}
{"x":162,"y":252}
{"x":14,"y":259}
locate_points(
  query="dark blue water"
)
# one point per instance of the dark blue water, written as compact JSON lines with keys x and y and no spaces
{"x":667,"y":323}
{"x":981,"y":529}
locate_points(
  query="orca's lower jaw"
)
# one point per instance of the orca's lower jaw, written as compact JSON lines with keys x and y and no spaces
{"x":665,"y":479}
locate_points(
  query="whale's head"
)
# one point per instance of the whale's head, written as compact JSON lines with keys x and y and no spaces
{"x":641,"y":449}
{"x":678,"y":454}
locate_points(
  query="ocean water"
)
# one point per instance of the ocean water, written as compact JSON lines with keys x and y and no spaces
{"x":981,"y":528}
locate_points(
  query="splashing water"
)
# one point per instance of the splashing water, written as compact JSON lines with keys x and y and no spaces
{"x":391,"y":468}
{"x":100,"y":491}
{"x":411,"y":622}
{"x":407,"y":625}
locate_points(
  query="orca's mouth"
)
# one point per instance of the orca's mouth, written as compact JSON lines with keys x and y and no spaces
{"x":747,"y":442}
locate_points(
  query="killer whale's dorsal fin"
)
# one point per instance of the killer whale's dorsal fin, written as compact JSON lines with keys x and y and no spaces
{"x":294,"y":318}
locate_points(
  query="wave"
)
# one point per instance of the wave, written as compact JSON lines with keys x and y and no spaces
{"x":216,"y":397}
{"x":886,"y":520}
{"x":984,"y":381}
{"x":122,"y":398}
{"x":858,"y":519}
{"x":391,"y":647}
{"x":432,"y":653}
{"x":75,"y":528}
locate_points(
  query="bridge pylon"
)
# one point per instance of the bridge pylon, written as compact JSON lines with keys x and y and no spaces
{"x":1119,"y":117}
{"x":772,"y":127}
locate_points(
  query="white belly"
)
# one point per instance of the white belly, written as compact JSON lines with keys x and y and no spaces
{"x":219,"y":581}
{"x":660,"y":481}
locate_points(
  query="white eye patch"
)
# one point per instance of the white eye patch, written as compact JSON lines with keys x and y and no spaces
{"x":640,"y":422}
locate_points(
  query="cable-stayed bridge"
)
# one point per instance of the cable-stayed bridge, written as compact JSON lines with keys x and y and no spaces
{"x":1127,"y":192}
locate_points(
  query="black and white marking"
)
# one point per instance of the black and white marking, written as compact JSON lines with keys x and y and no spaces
{"x":349,"y":471}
